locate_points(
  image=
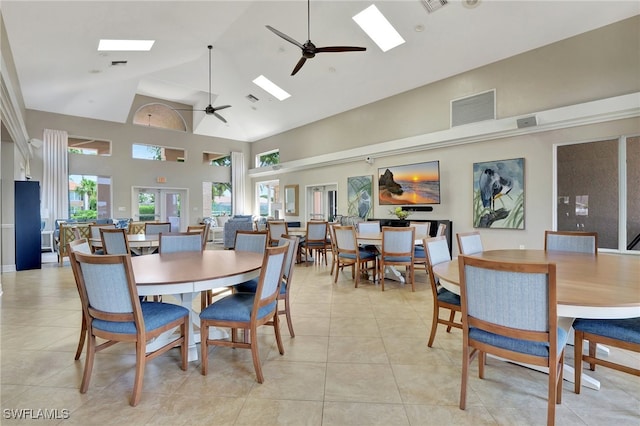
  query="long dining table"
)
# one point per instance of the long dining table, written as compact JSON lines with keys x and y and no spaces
{"x":186,"y":274}
{"x":604,"y":286}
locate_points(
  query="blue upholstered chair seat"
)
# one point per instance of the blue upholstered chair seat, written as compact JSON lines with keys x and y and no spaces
{"x":235,"y":307}
{"x":418,"y":251}
{"x":397,"y":259}
{"x":446,"y":296}
{"x":518,"y":345}
{"x":156,"y":315}
{"x":99,"y":251}
{"x":313,"y":244}
{"x":251,"y":286}
{"x":364,"y":255}
{"x":627,"y":330}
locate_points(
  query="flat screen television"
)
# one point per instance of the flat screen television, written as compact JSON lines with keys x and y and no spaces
{"x":412,"y":184}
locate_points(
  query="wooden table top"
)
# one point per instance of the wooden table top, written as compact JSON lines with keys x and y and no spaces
{"x":191,"y":267}
{"x":588,"y":286}
{"x":135,"y":240}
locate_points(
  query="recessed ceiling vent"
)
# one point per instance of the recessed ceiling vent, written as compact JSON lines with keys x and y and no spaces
{"x":433,"y":5}
{"x":118,"y":63}
{"x":472,"y":109}
{"x":252,"y":98}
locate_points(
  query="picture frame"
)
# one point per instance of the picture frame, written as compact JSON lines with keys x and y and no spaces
{"x":360,"y":196}
{"x":499,"y":194}
{"x":410,"y":184}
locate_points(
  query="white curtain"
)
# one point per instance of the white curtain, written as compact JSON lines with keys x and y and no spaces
{"x":238,"y":172}
{"x":55,"y":182}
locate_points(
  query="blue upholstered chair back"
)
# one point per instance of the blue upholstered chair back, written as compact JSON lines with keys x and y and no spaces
{"x":180,"y":242}
{"x":291,"y":253}
{"x":369,"y":227}
{"x":396,"y":241}
{"x":114,"y":241}
{"x":470,"y":243}
{"x":512,"y":299}
{"x":156,"y":228}
{"x":422,"y":229}
{"x":80,"y":246}
{"x":575,"y":242}
{"x":106,"y":286}
{"x":95,"y":229}
{"x":251,"y":241}
{"x":345,"y":238}
{"x":271,"y":273}
{"x":437,"y":250}
{"x":277,"y":229}
{"x":316,"y":231}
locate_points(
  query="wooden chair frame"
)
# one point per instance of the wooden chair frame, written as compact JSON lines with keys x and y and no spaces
{"x":472,"y":348}
{"x":140,"y":338}
{"x":384,"y":258}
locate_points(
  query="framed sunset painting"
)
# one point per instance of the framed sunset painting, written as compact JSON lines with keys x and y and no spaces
{"x":411,"y":184}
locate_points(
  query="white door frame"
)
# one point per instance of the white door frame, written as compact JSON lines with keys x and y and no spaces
{"x":162,"y":191}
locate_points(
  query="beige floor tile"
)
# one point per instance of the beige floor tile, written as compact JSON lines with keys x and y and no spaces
{"x":359,"y":358}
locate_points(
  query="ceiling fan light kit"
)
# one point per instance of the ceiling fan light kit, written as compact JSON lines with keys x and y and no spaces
{"x":309,"y":49}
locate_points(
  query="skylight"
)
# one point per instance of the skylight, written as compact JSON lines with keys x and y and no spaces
{"x":271,"y":87}
{"x":373,"y":22}
{"x":125,"y":45}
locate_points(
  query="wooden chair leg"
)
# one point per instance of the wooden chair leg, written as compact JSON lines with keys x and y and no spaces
{"x":83,"y":336}
{"x":577,"y":355}
{"x":434,"y":326}
{"x":88,"y":363}
{"x":137,"y":381}
{"x":204,"y":348}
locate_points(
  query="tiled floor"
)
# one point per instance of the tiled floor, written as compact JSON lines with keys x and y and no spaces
{"x":359,"y":358}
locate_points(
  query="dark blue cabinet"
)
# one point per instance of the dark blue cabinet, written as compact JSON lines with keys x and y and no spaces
{"x":27,"y":225}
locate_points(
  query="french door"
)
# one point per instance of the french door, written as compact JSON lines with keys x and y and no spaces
{"x":161,"y":204}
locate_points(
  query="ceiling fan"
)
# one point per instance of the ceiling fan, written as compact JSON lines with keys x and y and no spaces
{"x":210,"y":109}
{"x":309,"y":49}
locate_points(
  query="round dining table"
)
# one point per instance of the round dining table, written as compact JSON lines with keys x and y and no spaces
{"x":185,"y":274}
{"x":605,"y":286}
{"x":138,"y":243}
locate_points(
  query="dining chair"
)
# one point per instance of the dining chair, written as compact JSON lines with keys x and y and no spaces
{"x":94,"y":230}
{"x":509,"y":311}
{"x":276,"y":230}
{"x":173,"y":242}
{"x":469,"y":242}
{"x":315,"y":241}
{"x":348,"y":253}
{"x":247,"y":311}
{"x":397,"y":250}
{"x":287,"y":278}
{"x":80,"y":246}
{"x":114,"y":241}
{"x":423,"y":230}
{"x":255,"y":241}
{"x":579,"y":242}
{"x":619,"y":333}
{"x":113,"y":312}
{"x":437,"y":252}
{"x":369,"y":227}
{"x":154,"y":228}
{"x":442,"y":228}
{"x":203,"y":230}
{"x":334,"y":248}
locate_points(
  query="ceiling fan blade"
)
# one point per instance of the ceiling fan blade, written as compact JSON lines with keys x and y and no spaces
{"x":340,"y":49}
{"x":188,"y":109}
{"x":284,"y":36}
{"x":299,"y":65}
{"x":220,"y":117}
{"x":221,"y":107}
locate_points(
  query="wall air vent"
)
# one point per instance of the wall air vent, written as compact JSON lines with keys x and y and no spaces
{"x":118,"y":63}
{"x":433,"y":5}
{"x":472,"y":109}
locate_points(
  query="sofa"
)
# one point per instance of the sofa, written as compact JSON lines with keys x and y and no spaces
{"x":236,"y":223}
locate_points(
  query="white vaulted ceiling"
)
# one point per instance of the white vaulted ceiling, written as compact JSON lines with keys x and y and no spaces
{"x":54,"y":46}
